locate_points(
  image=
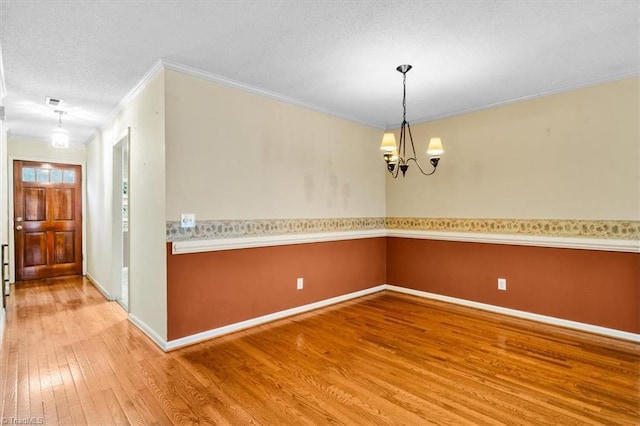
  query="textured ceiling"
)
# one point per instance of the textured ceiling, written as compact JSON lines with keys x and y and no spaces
{"x":336,"y":56}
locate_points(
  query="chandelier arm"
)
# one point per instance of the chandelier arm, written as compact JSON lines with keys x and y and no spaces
{"x":420,"y":167}
{"x":413,"y":148}
{"x":396,"y":170}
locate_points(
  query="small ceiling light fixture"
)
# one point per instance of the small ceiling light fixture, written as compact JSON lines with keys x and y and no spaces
{"x":60,"y":137}
{"x":395,"y":155}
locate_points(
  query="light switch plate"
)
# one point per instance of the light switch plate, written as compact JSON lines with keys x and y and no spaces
{"x":187,"y":220}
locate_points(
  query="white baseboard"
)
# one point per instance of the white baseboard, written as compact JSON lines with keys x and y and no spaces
{"x":521,"y":314}
{"x":220,"y":331}
{"x":216,"y":332}
{"x":102,"y":290}
{"x":148,"y":331}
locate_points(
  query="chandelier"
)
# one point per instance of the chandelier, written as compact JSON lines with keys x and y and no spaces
{"x":396,"y":155}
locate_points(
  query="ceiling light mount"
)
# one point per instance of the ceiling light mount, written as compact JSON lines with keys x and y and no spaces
{"x":395,"y":155}
{"x":404,"y":68}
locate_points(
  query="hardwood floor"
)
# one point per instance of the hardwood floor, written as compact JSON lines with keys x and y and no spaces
{"x":70,"y":357}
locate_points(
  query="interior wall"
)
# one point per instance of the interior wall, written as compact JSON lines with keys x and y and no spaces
{"x":4,"y":199}
{"x":573,"y":155}
{"x":214,"y":289}
{"x":40,"y":150}
{"x":145,"y":115}
{"x":237,"y":155}
{"x":4,"y":177}
{"x":588,"y":286}
{"x":98,"y":235}
{"x":233,"y":155}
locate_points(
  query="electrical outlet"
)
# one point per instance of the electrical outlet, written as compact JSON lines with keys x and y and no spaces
{"x":300,"y":284}
{"x":502,"y":284}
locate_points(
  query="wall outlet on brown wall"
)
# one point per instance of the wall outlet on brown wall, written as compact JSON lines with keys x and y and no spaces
{"x":502,"y":284}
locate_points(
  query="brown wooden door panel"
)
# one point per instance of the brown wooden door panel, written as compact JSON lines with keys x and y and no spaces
{"x":35,"y":248}
{"x":48,"y":220}
{"x":63,"y":202}
{"x":34,"y":204}
{"x":64,"y":247}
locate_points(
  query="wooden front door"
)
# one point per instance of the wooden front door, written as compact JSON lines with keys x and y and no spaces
{"x":47,"y":219}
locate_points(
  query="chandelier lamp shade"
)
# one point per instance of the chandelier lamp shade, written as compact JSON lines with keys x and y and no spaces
{"x":399,"y":155}
{"x":60,"y":137}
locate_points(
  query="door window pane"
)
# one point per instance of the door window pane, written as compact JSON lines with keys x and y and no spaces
{"x":28,"y":174}
{"x":69,"y":176}
{"x":42,"y":175}
{"x":56,"y":176}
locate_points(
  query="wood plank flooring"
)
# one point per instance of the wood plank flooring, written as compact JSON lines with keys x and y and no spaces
{"x":70,"y":357}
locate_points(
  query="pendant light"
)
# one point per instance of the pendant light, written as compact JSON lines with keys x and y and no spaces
{"x":60,"y":137}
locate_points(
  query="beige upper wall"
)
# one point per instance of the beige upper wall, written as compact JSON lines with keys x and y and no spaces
{"x":236,"y":155}
{"x":145,"y":115}
{"x":573,"y":155}
{"x":38,"y":150}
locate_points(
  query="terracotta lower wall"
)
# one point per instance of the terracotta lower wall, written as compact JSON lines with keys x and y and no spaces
{"x":214,"y":289}
{"x":594,"y":287}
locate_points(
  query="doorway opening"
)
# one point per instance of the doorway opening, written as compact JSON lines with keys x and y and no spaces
{"x":120,"y":228}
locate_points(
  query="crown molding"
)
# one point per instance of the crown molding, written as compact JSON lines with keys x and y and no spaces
{"x":165,"y":64}
{"x":135,"y":90}
{"x":214,"y":78}
{"x":563,"y":89}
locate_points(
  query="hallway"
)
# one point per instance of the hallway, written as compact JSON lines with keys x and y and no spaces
{"x":68,"y":355}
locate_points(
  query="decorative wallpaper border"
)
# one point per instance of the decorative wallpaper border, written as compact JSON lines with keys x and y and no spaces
{"x":214,"y":229}
{"x":603,"y":229}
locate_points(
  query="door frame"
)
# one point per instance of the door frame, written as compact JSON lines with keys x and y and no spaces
{"x":117,"y":247}
{"x":10,"y":188}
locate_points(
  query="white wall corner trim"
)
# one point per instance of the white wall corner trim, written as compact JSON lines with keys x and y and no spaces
{"x":216,"y":332}
{"x":148,"y":331}
{"x":3,"y":85}
{"x":520,"y":314}
{"x":208,"y":76}
{"x":198,"y":246}
{"x":632,"y":246}
{"x":3,"y":318}
{"x":100,"y":288}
